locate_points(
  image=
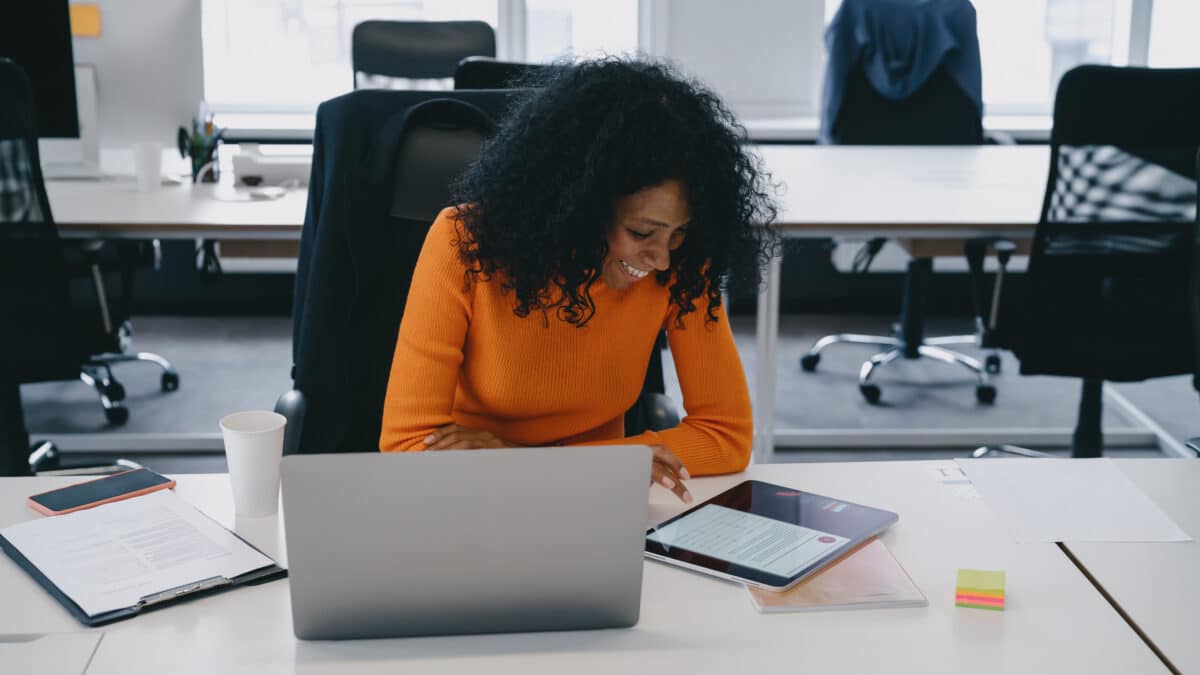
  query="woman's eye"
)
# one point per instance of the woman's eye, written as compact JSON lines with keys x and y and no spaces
{"x":638,"y":235}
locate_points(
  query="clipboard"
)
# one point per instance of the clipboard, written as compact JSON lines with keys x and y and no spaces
{"x":149,"y":602}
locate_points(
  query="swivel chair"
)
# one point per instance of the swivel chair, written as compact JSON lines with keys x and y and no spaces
{"x":383,"y":162}
{"x":935,"y":110}
{"x":482,"y":72}
{"x":48,"y":335}
{"x":1111,"y":289}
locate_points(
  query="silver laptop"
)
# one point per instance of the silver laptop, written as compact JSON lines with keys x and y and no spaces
{"x":469,"y":541}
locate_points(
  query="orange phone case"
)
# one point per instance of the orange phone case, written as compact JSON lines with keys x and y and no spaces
{"x":170,"y":484}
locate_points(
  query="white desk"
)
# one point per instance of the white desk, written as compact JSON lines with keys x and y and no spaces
{"x":1157,"y":583}
{"x":1055,"y":621}
{"x":113,"y":208}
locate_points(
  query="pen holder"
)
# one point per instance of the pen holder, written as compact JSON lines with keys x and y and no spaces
{"x":205,"y":159}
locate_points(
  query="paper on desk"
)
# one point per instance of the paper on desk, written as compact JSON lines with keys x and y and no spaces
{"x":48,"y":652}
{"x":1069,"y":500}
{"x":111,"y":556}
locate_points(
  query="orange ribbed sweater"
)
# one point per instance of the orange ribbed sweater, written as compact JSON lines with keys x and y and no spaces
{"x":463,"y":357}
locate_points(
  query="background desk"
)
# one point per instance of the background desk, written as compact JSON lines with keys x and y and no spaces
{"x":1055,"y":620}
{"x":114,"y":209}
{"x":824,"y":191}
{"x":1157,"y":583}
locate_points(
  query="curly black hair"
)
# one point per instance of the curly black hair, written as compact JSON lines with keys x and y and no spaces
{"x":536,"y":203}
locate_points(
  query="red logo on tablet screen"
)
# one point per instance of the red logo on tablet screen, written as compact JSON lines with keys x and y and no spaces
{"x":826,"y":539}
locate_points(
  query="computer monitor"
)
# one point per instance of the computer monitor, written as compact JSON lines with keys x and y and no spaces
{"x":37,"y":36}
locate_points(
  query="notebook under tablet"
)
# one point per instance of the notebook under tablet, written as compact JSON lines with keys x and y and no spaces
{"x":469,"y":541}
{"x":764,"y":535}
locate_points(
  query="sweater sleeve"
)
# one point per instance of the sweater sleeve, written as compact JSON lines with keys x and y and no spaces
{"x":716,"y":434}
{"x":429,"y":347}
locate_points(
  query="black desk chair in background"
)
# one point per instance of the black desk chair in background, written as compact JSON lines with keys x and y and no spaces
{"x":482,"y":72}
{"x":1111,"y":288}
{"x":46,"y":336}
{"x":417,"y":50}
{"x":937,"y":110}
{"x":383,"y":162}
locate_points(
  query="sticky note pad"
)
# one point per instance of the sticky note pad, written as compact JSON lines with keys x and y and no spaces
{"x":980,"y":589}
{"x":85,"y":19}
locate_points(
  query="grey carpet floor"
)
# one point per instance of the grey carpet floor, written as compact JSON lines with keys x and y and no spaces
{"x":231,"y":364}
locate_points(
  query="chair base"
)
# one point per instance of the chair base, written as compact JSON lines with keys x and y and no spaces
{"x":909,"y":341}
{"x":97,"y":374}
{"x":985,"y":391}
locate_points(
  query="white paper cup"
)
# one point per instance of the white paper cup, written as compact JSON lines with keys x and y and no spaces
{"x":147,"y":166}
{"x":253,"y":448}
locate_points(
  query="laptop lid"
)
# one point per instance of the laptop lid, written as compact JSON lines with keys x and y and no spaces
{"x":469,"y":541}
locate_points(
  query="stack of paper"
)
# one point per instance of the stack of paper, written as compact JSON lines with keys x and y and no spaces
{"x":980,"y":589}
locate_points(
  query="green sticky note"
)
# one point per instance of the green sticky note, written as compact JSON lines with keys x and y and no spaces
{"x":981,"y":580}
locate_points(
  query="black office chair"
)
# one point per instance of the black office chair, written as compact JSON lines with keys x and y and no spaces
{"x":47,"y":336}
{"x":382,"y":166}
{"x":1111,"y":291}
{"x":937,"y":112}
{"x":417,"y":49}
{"x":482,"y":72}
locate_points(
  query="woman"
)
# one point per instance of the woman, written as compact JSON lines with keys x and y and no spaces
{"x":613,"y":202}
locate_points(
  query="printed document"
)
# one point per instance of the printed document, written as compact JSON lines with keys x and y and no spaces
{"x":112,"y":556}
{"x":1044,"y":500}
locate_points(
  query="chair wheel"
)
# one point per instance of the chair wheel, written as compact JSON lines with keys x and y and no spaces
{"x":992,"y":364}
{"x":870,"y":392}
{"x":985,"y":393}
{"x":117,"y":415}
{"x":115,"y":391}
{"x":170,"y":380}
{"x":809,"y":362}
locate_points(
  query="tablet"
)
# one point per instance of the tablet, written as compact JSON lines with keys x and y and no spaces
{"x":764,"y":535}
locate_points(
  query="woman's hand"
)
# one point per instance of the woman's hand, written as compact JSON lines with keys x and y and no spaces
{"x":456,"y":437}
{"x":668,"y":471}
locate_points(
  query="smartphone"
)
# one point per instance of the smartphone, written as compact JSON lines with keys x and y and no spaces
{"x":100,"y":491}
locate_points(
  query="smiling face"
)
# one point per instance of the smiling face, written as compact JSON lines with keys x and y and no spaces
{"x":647,"y":225}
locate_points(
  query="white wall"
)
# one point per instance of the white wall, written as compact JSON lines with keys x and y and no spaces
{"x":149,"y":68}
{"x":758,"y":55}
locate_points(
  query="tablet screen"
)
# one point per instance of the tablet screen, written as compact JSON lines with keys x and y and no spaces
{"x":748,"y":540}
{"x":765,"y":534}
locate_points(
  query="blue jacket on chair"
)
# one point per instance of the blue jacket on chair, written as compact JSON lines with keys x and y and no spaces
{"x":899,"y":44}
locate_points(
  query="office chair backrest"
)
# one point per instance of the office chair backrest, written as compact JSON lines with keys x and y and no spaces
{"x":903,"y":72}
{"x":1112,"y":261}
{"x":939,"y":113}
{"x":417,"y":49}
{"x":35,"y":305}
{"x":481,"y":72}
{"x":382,"y":164}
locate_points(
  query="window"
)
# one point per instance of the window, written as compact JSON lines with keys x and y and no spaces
{"x":1026,"y":45}
{"x":1173,"y":40}
{"x":289,"y":55}
{"x":557,"y":28}
{"x":286,"y":56}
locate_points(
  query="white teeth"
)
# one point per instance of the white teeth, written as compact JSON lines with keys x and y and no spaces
{"x":633,"y":271}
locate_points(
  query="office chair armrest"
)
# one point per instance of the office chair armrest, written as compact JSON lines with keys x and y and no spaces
{"x":986,"y":450}
{"x":659,"y":411}
{"x":292,"y":406}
